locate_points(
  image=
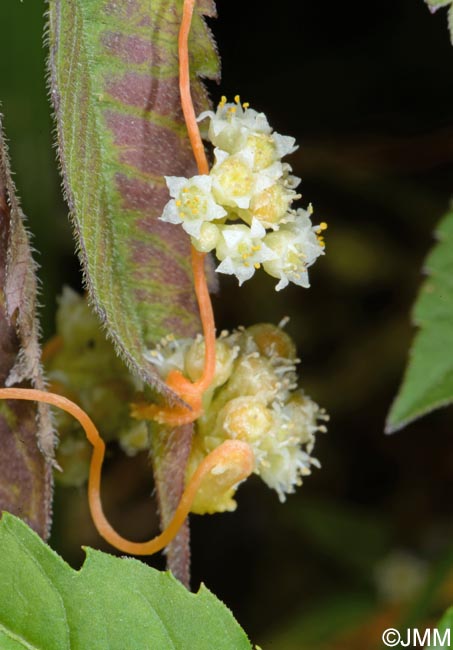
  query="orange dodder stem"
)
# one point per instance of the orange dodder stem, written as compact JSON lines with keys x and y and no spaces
{"x":220,"y":455}
{"x":198,"y":259}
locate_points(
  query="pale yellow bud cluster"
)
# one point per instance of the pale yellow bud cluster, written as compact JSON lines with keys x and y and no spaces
{"x":81,"y":364}
{"x":254,"y":398}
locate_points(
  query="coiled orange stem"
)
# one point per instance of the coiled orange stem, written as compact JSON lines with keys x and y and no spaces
{"x":231,"y":452}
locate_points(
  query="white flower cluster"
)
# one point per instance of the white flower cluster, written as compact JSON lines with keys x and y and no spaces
{"x":247,"y":183}
{"x":254,"y":398}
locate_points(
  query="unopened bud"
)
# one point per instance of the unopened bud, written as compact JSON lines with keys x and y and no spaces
{"x":244,"y":418}
{"x":195,"y":359}
{"x":272,"y":341}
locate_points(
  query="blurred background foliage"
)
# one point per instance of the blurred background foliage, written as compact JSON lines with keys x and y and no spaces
{"x":367,"y":89}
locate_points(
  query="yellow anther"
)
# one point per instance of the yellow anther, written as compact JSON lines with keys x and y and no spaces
{"x":178,"y":203}
{"x":185,"y":189}
{"x":310,"y":209}
{"x":256,"y":248}
{"x":323,"y":225}
{"x":245,"y":105}
{"x":237,"y":99}
{"x":257,"y":265}
{"x":245,"y":256}
{"x":232,"y":109}
{"x":246,"y":264}
{"x":223,"y":101}
{"x":194,"y":211}
{"x":182,"y":215}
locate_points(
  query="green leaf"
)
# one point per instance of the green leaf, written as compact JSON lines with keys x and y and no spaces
{"x":446,"y":623}
{"x":428,"y":381}
{"x":114,"y":87}
{"x":111,"y":603}
{"x":26,"y":441}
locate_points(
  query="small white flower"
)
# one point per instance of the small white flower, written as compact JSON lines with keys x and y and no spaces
{"x":231,"y":121}
{"x":281,"y":436}
{"x":192,"y":203}
{"x":168,"y":355}
{"x":257,"y":402}
{"x":235,"y":127}
{"x":234,"y":181}
{"x":242,"y":251}
{"x":285,"y":461}
{"x":296,"y":245}
{"x":266,"y":149}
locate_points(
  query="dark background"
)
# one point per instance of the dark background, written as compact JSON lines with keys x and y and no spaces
{"x":367,"y":90}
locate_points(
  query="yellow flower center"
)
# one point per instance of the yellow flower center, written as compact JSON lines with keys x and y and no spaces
{"x":235,"y":177}
{"x":191,"y":203}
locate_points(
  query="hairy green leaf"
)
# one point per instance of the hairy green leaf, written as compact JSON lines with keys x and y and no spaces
{"x":114,"y":87}
{"x":26,"y":438}
{"x":428,"y":381}
{"x":110,"y":603}
{"x":446,"y":623}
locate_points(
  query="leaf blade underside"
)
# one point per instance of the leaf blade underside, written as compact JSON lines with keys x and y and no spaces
{"x":428,"y":380}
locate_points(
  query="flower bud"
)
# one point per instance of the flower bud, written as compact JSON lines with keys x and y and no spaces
{"x":253,"y":376}
{"x":272,"y":341}
{"x":73,"y":456}
{"x":244,"y":418}
{"x":208,"y":238}
{"x":194,"y":361}
{"x":134,"y":438}
{"x":272,"y":204}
